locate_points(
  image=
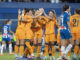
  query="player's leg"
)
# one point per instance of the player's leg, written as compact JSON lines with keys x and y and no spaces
{"x":26,"y":52}
{"x":2,"y":46}
{"x":46,"y":45}
{"x":76,"y":47}
{"x":34,"y":42}
{"x":27,"y":43}
{"x":16,"y":48}
{"x":39,"y":45}
{"x":78,"y":36}
{"x":50,"y":51}
{"x":10,"y":46}
{"x":52,"y":40}
{"x":21,"y":49}
{"x":62,"y":41}
{"x":29,"y":46}
{"x":70,"y":40}
{"x":79,"y":49}
{"x":33,"y":45}
{"x":59,"y":45}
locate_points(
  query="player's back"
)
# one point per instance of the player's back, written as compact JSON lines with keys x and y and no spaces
{"x":75,"y":21}
{"x":64,"y":19}
{"x":5,"y":31}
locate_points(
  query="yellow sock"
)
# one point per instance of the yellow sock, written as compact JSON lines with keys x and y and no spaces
{"x":53,"y":51}
{"x":38,"y":50}
{"x":69,"y":53}
{"x":29,"y":47}
{"x":50,"y":52}
{"x":21,"y":49}
{"x":26,"y":52}
{"x":76,"y":49}
{"x":60,"y":54}
{"x":16,"y":49}
{"x":46,"y":50}
{"x":33,"y":47}
{"x":79,"y":51}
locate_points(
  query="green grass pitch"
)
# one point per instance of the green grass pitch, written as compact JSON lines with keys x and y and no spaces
{"x":6,"y":56}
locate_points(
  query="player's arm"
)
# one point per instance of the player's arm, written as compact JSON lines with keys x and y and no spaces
{"x":68,"y":22}
{"x":26,"y":18}
{"x":56,"y":25}
{"x":39,"y":13}
{"x":11,"y":32}
{"x":59,"y":21}
{"x":71,"y":21}
{"x":47,"y":16}
{"x":19,"y":13}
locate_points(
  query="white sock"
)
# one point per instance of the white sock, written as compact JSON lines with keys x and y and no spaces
{"x":32,"y":54}
{"x":3,"y":45}
{"x":10,"y":48}
{"x":53,"y":57}
{"x":21,"y":56}
{"x":68,"y":48}
{"x":62,"y":49}
{"x":50,"y":57}
{"x":45,"y":57}
{"x":16,"y":55}
{"x":0,"y":46}
{"x":74,"y":55}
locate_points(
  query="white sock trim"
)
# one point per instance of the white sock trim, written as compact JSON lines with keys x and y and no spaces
{"x":68,"y":48}
{"x":3,"y":45}
{"x":10,"y":48}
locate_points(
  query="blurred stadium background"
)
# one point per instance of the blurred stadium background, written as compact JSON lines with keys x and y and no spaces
{"x":9,"y":9}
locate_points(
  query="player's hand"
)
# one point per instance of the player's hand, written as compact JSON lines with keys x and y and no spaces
{"x":23,"y":11}
{"x":19,"y":11}
{"x":41,"y":10}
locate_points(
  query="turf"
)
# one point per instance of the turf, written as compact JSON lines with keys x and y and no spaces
{"x":6,"y":56}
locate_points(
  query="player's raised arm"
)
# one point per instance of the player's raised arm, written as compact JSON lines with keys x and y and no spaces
{"x":19,"y":12}
{"x":59,"y":21}
{"x":47,"y":16}
{"x":38,"y":13}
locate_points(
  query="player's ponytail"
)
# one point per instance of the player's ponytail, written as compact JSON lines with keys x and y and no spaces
{"x":65,"y":7}
{"x":7,"y":21}
{"x":77,"y":11}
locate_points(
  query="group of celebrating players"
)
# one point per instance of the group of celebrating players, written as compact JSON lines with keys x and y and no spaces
{"x":29,"y":32}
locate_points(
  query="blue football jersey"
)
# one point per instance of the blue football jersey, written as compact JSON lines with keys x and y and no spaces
{"x":65,"y":17}
{"x":5,"y":31}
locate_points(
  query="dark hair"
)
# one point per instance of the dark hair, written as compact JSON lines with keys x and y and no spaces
{"x":65,"y":7}
{"x":27,"y":10}
{"x":53,"y":11}
{"x":7,"y":21}
{"x":77,"y":11}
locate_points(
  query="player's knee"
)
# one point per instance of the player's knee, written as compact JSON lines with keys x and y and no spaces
{"x":39,"y":44}
{"x":79,"y":46}
{"x":77,"y":43}
{"x":27,"y":40}
{"x":21,"y":44}
{"x":18,"y":45}
{"x":35,"y":44}
{"x":53,"y":43}
{"x":46,"y":43}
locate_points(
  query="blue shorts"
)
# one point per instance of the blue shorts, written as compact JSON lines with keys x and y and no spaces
{"x":6,"y":39}
{"x":65,"y":34}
